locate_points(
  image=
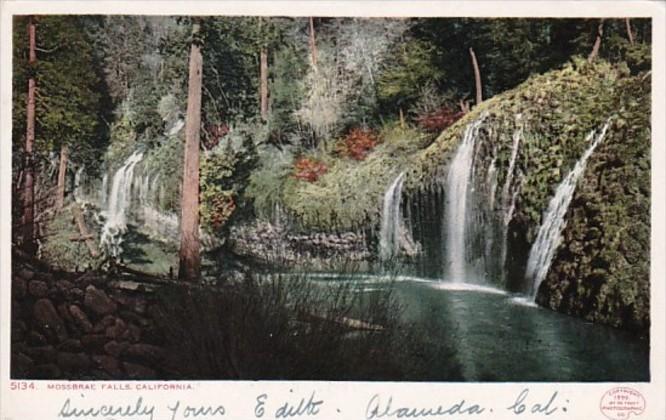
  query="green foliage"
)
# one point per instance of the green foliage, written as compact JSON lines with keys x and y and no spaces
{"x":286,"y":91}
{"x":58,"y":249}
{"x":602,"y":271}
{"x":224,"y":176}
{"x":407,"y":69}
{"x":70,"y":99}
{"x":267,"y":182}
{"x":348,"y":195}
{"x":290,"y":328}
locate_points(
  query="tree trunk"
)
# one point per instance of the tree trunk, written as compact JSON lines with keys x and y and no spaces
{"x":263,"y":76}
{"x":29,"y":187}
{"x":477,"y":76}
{"x":630,"y":34}
{"x":597,"y":42}
{"x":313,"y":44}
{"x":83,"y":230}
{"x":62,"y":171}
{"x":190,"y":259}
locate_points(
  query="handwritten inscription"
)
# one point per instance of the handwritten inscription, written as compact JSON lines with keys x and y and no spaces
{"x":521,"y":405}
{"x":137,"y":410}
{"x":377,"y":408}
{"x":287,"y":409}
{"x":310,"y":405}
{"x":187,"y":411}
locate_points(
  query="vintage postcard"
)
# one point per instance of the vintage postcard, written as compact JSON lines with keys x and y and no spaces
{"x":332,"y":210}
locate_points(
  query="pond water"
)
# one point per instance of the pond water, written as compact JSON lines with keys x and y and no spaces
{"x":497,"y":336}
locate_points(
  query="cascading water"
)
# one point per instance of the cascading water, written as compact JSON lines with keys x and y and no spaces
{"x":389,"y":235}
{"x":549,"y":235}
{"x":509,"y":196}
{"x":458,"y":183}
{"x":104,"y":190}
{"x":78,"y":185}
{"x":118,"y":204}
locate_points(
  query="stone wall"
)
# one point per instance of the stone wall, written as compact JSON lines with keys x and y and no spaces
{"x":78,"y":326}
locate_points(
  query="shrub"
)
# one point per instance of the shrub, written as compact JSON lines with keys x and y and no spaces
{"x":308,"y":169}
{"x":289,"y":327}
{"x":439,"y":120}
{"x":358,"y":143}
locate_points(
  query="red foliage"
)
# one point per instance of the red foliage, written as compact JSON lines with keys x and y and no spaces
{"x":358,"y":143}
{"x":223,"y":207}
{"x":215,"y":133}
{"x":440,"y":119}
{"x":308,"y":169}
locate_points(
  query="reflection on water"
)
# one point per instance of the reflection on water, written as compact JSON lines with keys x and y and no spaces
{"x":497,"y":337}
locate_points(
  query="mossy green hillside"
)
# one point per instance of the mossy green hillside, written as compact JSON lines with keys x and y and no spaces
{"x":602,"y":269}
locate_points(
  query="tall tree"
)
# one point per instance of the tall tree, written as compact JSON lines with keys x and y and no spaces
{"x":263,"y":77}
{"x":597,"y":42}
{"x":62,"y":172}
{"x":630,"y":33}
{"x":313,"y":43}
{"x":29,"y":188}
{"x":190,"y":260}
{"x":477,"y":76}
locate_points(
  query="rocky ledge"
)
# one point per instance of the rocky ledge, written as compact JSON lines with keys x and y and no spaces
{"x":276,"y":245}
{"x":81,"y":326}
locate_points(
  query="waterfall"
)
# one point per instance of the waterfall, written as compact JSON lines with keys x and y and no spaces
{"x":389,"y":235}
{"x":491,"y":179}
{"x":78,"y":185}
{"x":458,"y":183}
{"x":549,"y":235}
{"x":509,"y":200}
{"x":104,"y":191}
{"x":118,"y":204}
{"x":517,"y":135}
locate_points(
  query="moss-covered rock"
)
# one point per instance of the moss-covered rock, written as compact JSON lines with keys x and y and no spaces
{"x":601,"y":268}
{"x":348,"y":196}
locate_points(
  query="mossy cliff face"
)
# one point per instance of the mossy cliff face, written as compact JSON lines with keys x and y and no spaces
{"x":602,"y":269}
{"x":539,"y":130}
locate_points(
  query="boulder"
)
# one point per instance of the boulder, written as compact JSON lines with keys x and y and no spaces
{"x":21,"y":365}
{"x":132,"y":334}
{"x":146,"y":352}
{"x":80,"y":319}
{"x":108,"y":364}
{"x":94,"y":342}
{"x":105,"y":323}
{"x":25,"y":274}
{"x":73,"y":362}
{"x":135,"y":371}
{"x":38,"y":288}
{"x":48,"y":320}
{"x":36,"y":339}
{"x":64,"y":285}
{"x":46,"y":371}
{"x":42,"y":354}
{"x":19,"y":287}
{"x":116,"y":330}
{"x":71,"y":345}
{"x":98,"y":301}
{"x":115,"y":348}
{"x":74,"y":294}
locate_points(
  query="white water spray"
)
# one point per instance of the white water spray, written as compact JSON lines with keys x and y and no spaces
{"x":549,"y":235}
{"x":78,"y":185}
{"x":119,"y":202}
{"x":104,"y":191}
{"x":389,"y":235}
{"x":458,"y":183}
